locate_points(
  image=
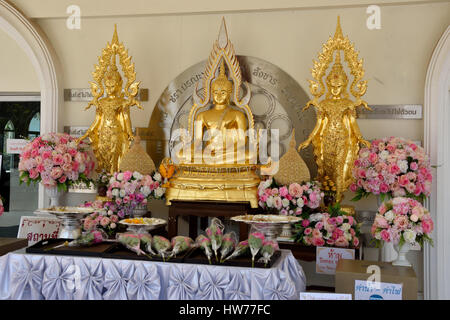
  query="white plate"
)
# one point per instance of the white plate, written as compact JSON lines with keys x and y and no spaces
{"x":147,"y":222}
{"x":266,"y":218}
{"x":68,"y":210}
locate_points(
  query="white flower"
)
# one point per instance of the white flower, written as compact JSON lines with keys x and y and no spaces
{"x":348,"y":236}
{"x":159,"y":192}
{"x":110,"y":212}
{"x":384,"y":155}
{"x":285,"y":202}
{"x":389,"y":215}
{"x":378,"y":235}
{"x":345,"y":227}
{"x":403,"y":165}
{"x":409,"y":236}
{"x":137,"y":175}
{"x":115,"y":192}
{"x":120,"y":176}
{"x":315,"y":217}
{"x":112,"y":225}
{"x":300,"y":202}
{"x":269,"y":202}
{"x":145,"y":190}
{"x":122,"y":193}
{"x":81,"y":167}
{"x":157,"y":176}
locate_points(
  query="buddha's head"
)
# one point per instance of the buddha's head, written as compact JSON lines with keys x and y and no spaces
{"x":221,"y":87}
{"x":337,"y":79}
{"x":113,"y":81}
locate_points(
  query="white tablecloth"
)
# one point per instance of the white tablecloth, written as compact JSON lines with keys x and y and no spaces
{"x":32,"y":276}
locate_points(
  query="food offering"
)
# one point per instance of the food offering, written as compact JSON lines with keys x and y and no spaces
{"x":142,"y":224}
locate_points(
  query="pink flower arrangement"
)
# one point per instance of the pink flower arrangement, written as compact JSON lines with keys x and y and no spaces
{"x":129,"y":189}
{"x":105,"y":220}
{"x":55,"y":159}
{"x":392,"y":166}
{"x":325,"y":229}
{"x":293,"y":199}
{"x":402,"y":220}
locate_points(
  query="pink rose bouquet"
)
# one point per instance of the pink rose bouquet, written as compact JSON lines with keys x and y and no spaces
{"x":334,"y":229}
{"x":268,"y":249}
{"x":105,"y":219}
{"x":56,"y":160}
{"x":293,"y":199}
{"x":392,"y":166}
{"x":402,"y":220}
{"x":255,"y":242}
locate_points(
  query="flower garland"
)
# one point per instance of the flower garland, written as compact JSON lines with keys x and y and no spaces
{"x":293,"y":199}
{"x":402,"y":220}
{"x":55,"y":159}
{"x":392,"y":166}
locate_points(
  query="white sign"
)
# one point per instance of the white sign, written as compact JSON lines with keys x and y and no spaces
{"x":324,"y":296}
{"x":36,"y":229}
{"x":327,"y":258}
{"x":368,"y":290}
{"x":15,"y":146}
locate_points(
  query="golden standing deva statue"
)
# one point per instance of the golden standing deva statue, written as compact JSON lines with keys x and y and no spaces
{"x":111,"y":132}
{"x":212,"y":164}
{"x":336,"y":136}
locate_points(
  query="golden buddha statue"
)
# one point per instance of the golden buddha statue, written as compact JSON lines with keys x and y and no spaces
{"x":222,"y":128}
{"x":218,"y":156}
{"x":111,"y":132}
{"x":336,"y":136}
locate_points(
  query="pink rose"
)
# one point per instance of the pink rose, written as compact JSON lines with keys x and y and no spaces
{"x":401,"y":222}
{"x":308,"y":231}
{"x":33,"y":173}
{"x":341,"y":242}
{"x":295,"y":190}
{"x":413,"y":166}
{"x":319,"y":225}
{"x":114,"y":218}
{"x":403,"y":180}
{"x":284,"y":191}
{"x":56,"y":173}
{"x":381,"y":222}
{"x":62,"y":179}
{"x":353,"y":187}
{"x":373,"y":158}
{"x":355,"y":242}
{"x":427,"y":225}
{"x":263,"y":198}
{"x":58,"y":160}
{"x":274,"y":192}
{"x":385,"y":235}
{"x":127,"y":175}
{"x":305,"y":223}
{"x":340,"y":220}
{"x":104,"y":221}
{"x":384,"y":188}
{"x":318,"y":242}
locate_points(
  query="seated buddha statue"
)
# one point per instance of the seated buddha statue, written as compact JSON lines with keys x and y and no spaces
{"x":218,"y":157}
{"x":220,"y":132}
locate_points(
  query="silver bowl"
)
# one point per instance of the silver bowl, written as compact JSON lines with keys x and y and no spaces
{"x":269,"y":225}
{"x":70,"y":219}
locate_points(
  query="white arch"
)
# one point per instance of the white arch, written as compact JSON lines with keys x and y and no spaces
{"x":45,"y":62}
{"x":437,"y":145}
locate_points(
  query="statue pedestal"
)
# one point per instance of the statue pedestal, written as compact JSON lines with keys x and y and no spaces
{"x":205,"y":209}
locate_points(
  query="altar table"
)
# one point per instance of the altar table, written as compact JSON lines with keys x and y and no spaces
{"x":51,"y":277}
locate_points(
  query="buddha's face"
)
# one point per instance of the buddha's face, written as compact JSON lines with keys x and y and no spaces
{"x":336,"y":87}
{"x":111,"y":87}
{"x":221,"y":94}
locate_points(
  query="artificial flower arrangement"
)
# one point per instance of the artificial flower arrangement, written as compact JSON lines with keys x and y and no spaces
{"x":402,"y":220}
{"x":394,"y":167}
{"x":333,"y":228}
{"x":102,"y":183}
{"x":293,"y":199}
{"x":215,"y":239}
{"x":106,"y":220}
{"x":56,"y":160}
{"x":129,"y":189}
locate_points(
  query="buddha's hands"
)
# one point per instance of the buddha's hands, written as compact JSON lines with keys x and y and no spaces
{"x":310,"y":103}
{"x":362,"y":103}
{"x":364,"y":142}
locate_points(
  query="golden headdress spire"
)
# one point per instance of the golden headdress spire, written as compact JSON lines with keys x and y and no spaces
{"x":115,"y":38}
{"x":338,"y":34}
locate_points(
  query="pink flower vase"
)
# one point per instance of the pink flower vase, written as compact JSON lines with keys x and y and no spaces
{"x":401,"y":259}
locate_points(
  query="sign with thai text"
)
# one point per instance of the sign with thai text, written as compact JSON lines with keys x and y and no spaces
{"x":324,"y":296}
{"x":36,"y":229}
{"x":327,"y":258}
{"x":15,"y":146}
{"x":369,"y":290}
{"x":392,"y":111}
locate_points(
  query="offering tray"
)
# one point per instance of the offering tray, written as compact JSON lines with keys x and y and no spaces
{"x":71,"y":219}
{"x":269,"y":224}
{"x":136,"y":224}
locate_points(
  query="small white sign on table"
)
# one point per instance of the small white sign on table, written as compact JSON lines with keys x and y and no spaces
{"x":324,"y":296}
{"x":368,"y":290}
{"x":15,"y":146}
{"x":38,"y":228}
{"x":327,"y":258}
